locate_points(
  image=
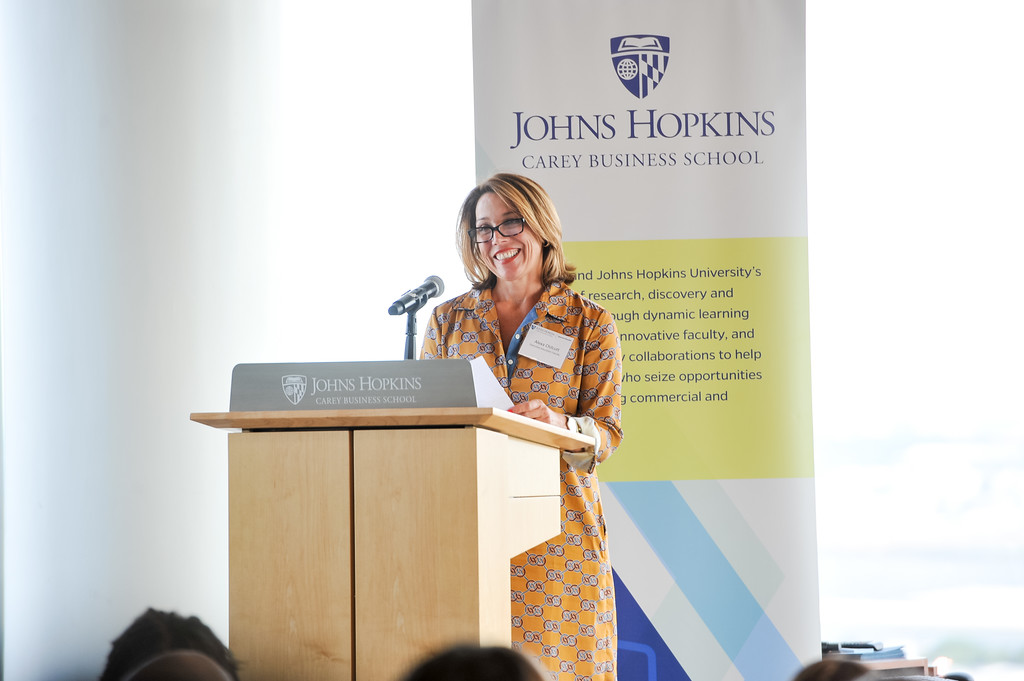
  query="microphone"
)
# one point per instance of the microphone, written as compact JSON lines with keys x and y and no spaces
{"x":413,"y":300}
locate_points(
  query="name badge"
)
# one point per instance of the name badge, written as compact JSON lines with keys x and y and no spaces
{"x":546,"y":346}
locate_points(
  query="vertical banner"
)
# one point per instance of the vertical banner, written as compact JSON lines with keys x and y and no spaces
{"x":671,"y":136}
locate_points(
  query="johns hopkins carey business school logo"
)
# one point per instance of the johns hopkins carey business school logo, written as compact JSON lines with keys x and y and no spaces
{"x":640,"y":62}
{"x":294,"y":386}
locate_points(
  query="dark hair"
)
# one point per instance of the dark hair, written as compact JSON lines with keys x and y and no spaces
{"x":535,"y":206}
{"x":155,"y":632}
{"x":473,"y":663}
{"x":833,"y":670}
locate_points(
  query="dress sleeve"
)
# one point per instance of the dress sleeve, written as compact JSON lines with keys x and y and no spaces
{"x":601,"y":386}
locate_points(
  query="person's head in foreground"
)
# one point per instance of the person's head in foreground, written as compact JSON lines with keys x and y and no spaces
{"x":834,"y":670}
{"x":164,"y":646}
{"x":475,"y":663}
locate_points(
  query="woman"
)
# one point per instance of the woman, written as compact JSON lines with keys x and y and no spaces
{"x":510,"y":241}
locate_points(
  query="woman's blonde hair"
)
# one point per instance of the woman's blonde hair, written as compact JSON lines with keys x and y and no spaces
{"x":535,"y":206}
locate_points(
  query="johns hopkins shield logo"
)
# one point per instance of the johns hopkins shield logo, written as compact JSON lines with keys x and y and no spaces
{"x":294,"y":386}
{"x":640,"y":62}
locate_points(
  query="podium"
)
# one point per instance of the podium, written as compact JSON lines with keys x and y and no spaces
{"x":363,"y":540}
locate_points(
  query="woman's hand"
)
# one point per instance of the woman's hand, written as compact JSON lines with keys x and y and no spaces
{"x":536,"y":409}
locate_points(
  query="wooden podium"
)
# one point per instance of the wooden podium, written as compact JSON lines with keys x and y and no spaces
{"x":362,"y":540}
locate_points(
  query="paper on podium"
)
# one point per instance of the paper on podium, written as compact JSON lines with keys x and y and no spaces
{"x":489,"y":392}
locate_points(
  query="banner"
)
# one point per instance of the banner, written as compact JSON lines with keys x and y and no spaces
{"x":671,"y":136}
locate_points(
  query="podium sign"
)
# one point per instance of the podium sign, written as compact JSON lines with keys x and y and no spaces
{"x":365,"y":385}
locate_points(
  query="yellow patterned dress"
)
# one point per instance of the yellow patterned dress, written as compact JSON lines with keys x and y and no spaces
{"x":563,"y":601}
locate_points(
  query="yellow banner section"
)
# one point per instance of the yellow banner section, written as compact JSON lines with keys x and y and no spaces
{"x":716,"y":356}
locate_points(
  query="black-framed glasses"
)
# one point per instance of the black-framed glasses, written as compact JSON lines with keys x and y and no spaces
{"x":511,"y":227}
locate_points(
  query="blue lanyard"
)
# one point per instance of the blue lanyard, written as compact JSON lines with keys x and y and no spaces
{"x":512,"y":353}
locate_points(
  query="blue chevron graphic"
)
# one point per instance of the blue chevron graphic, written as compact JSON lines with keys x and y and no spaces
{"x":708,"y":580}
{"x":643,"y":654}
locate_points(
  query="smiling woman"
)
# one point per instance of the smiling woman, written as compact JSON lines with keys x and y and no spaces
{"x":557,"y":355}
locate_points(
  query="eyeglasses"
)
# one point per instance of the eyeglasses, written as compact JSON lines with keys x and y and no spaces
{"x":511,"y":227}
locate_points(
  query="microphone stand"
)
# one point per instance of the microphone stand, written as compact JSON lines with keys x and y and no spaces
{"x":410,"y":334}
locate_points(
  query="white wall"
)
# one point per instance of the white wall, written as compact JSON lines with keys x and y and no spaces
{"x":188,"y":184}
{"x":134,"y":227}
